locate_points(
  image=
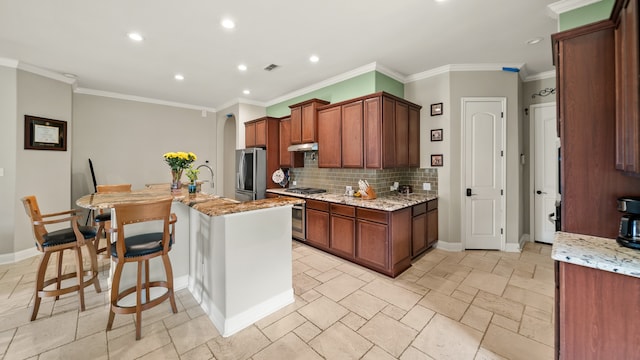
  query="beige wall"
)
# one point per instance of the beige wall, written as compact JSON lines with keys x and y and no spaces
{"x":229,"y":128}
{"x":8,"y":149}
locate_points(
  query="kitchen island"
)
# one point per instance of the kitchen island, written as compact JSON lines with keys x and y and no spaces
{"x":597,"y":297}
{"x":235,"y":258}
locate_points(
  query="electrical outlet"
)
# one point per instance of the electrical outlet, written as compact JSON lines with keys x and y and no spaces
{"x":426,"y":186}
{"x":349,"y":188}
{"x":391,"y":188}
{"x":294,"y":183}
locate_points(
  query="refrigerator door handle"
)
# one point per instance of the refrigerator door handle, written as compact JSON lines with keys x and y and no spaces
{"x":241,"y":173}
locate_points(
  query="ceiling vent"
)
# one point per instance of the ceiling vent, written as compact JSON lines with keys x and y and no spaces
{"x":271,"y":67}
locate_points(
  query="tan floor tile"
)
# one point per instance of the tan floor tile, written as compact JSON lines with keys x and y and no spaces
{"x":438,"y":284}
{"x":167,"y":352}
{"x":351,"y":269}
{"x":270,"y":319}
{"x":394,"y":312}
{"x":488,"y":282}
{"x":479,"y":262}
{"x":95,"y":320}
{"x":193,"y":333}
{"x":467,"y":289}
{"x":241,"y":345}
{"x":176,"y":320}
{"x":538,"y":314}
{"x":310,"y":296}
{"x":446,"y":269}
{"x":426,"y":265}
{"x":462,"y":296}
{"x":201,"y":352}
{"x":499,"y":305}
{"x":303,"y":283}
{"x":154,"y":336}
{"x":392,"y":294}
{"x":18,"y":318}
{"x":536,"y":329}
{"x":42,"y":335}
{"x":412,"y":286}
{"x":288,"y":347}
{"x":323,"y":312}
{"x":541,"y":287}
{"x":484,"y":354}
{"x":313,"y":272}
{"x":353,"y":321}
{"x":389,"y":334}
{"x":340,"y":342}
{"x":193,"y":313}
{"x":339,"y":287}
{"x":513,"y":346}
{"x":477,"y":318}
{"x":367,"y":277}
{"x":376,"y":353}
{"x":530,"y":298}
{"x":417,"y":317}
{"x":5,"y":339}
{"x":90,"y":347}
{"x":363,"y":304}
{"x":320,"y":262}
{"x":414,"y":354}
{"x":328,"y":275}
{"x":308,"y":331}
{"x":505,"y":322}
{"x":444,"y":305}
{"x":502,"y":270}
{"x":283,"y":326}
{"x":544,"y":274}
{"x":299,"y":267}
{"x":444,"y":338}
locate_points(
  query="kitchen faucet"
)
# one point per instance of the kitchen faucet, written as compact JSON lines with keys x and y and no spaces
{"x":210,"y":169}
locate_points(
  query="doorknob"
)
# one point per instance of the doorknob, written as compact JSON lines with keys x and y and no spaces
{"x":469,"y":192}
{"x":540,"y":192}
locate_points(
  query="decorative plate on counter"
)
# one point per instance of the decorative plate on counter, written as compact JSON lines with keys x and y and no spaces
{"x":279,"y":177}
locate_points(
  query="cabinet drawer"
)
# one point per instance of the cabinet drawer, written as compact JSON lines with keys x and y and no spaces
{"x":373,"y":215}
{"x":419,"y":209}
{"x":345,"y":210}
{"x":432,"y":205}
{"x":318,"y":205}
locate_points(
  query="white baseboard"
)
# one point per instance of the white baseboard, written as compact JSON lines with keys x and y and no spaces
{"x":511,"y":247}
{"x":181,"y":282}
{"x":18,"y":256}
{"x":447,"y":246}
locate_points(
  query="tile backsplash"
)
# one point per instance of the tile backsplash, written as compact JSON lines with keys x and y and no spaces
{"x":335,"y":180}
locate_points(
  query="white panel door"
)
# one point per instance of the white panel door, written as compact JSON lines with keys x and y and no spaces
{"x":483,"y":173}
{"x":545,"y":170}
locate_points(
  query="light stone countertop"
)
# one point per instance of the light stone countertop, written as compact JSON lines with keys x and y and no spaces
{"x":596,"y":252}
{"x":384,"y":203}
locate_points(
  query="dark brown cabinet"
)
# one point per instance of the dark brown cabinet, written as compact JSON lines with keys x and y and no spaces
{"x":352,"y":135}
{"x":304,"y":122}
{"x":256,"y":133}
{"x":317,"y":213}
{"x":424,"y":227}
{"x":401,"y":118}
{"x":627,"y":87}
{"x":249,"y":134}
{"x":343,"y":229}
{"x":288,"y":159}
{"x":264,"y":133}
{"x":329,"y":134}
{"x":414,"y":136}
{"x":372,"y":247}
{"x":432,"y":222}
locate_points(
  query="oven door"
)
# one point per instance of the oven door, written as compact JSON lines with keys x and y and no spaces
{"x":298,"y":222}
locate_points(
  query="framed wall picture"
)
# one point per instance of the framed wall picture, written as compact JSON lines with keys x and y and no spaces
{"x":44,"y":134}
{"x":436,"y":135}
{"x":436,"y":109}
{"x":436,"y":160}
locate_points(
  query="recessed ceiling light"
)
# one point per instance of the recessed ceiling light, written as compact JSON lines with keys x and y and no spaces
{"x":242,"y":67}
{"x":246,"y":92}
{"x":179,"y":77}
{"x":314,"y":58}
{"x":228,"y":24}
{"x":534,"y":41}
{"x":135,"y":36}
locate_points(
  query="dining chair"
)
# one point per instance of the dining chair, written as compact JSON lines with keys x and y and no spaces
{"x":49,"y":242}
{"x":103,"y":220}
{"x":141,"y":248}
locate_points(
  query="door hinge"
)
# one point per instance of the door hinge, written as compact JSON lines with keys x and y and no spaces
{"x":502,"y":114}
{"x":501,"y":231}
{"x":501,"y":191}
{"x":501,"y":152}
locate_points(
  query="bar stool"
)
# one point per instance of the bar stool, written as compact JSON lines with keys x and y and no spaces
{"x":103,"y":220}
{"x":141,"y":248}
{"x":71,"y":238}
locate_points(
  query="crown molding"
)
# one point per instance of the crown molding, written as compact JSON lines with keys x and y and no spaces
{"x":140,"y":99}
{"x":390,"y":73}
{"x":238,"y":101}
{"x":46,"y":73}
{"x":462,"y":67}
{"x":541,"y":76}
{"x":563,"y":6}
{"x":6,"y":62}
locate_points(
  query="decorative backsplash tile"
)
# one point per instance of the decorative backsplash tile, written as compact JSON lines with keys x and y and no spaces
{"x":335,"y":180}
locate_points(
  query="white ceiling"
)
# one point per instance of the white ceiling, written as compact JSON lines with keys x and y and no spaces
{"x":88,"y":38}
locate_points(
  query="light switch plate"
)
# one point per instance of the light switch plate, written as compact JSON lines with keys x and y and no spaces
{"x":426,"y":186}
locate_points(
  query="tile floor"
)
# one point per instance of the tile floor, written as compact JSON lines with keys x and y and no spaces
{"x":448,"y":305}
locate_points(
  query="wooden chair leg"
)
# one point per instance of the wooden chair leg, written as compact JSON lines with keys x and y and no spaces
{"x":94,"y":265}
{"x":169,"y":271}
{"x":80,"y":275}
{"x":139,"y":302}
{"x":59,"y":272}
{"x":42,"y":269}
{"x":96,"y":242}
{"x":115,"y":288}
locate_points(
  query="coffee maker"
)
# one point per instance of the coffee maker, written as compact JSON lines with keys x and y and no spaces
{"x":629,"y":234}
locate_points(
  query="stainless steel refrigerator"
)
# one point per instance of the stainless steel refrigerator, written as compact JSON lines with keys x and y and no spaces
{"x":251,"y":174}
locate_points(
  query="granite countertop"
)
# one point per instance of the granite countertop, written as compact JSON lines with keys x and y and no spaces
{"x":208,"y":204}
{"x":596,"y":252}
{"x":385,"y":203}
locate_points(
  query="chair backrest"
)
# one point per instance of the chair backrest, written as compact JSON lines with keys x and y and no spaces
{"x":33,"y":211}
{"x":133,"y":213}
{"x":113,"y":188}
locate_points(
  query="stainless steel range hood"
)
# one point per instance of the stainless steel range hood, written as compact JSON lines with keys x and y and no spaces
{"x":304,"y":147}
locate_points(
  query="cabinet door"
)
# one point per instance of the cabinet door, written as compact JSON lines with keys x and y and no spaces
{"x":432,"y":227}
{"x":373,"y":133}
{"x":296,"y":125}
{"x":318,"y":228}
{"x":329,"y":134}
{"x":309,"y":124}
{"x":343,"y":235}
{"x":352,"y":135}
{"x":388,"y":133}
{"x":284,"y":155}
{"x":261,"y":133}
{"x":414,"y":137}
{"x":250,"y":135}
{"x":419,"y":234}
{"x":372,"y":244}
{"x":402,"y":134}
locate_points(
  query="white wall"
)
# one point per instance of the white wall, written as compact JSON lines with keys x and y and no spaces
{"x":8,"y":148}
{"x":228,"y":128}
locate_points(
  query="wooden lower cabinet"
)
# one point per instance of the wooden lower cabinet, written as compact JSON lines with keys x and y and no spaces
{"x":342,"y":230}
{"x":372,"y":245}
{"x":597,"y":314}
{"x":318,"y":228}
{"x":424,"y":227}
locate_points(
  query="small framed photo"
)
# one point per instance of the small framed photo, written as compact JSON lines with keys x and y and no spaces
{"x":436,"y":109}
{"x":436,"y":135}
{"x":436,"y":160}
{"x":44,"y":134}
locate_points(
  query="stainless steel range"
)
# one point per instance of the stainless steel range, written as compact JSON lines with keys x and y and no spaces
{"x":298,"y":214}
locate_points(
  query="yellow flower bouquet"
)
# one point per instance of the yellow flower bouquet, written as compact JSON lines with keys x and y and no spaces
{"x":178,"y":161}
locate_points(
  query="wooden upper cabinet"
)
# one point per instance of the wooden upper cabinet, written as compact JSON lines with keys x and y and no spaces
{"x":329,"y":129}
{"x":255,"y":133}
{"x":352,"y":135}
{"x":402,"y":134}
{"x":288,"y":159}
{"x":264,"y":133}
{"x":388,"y":133}
{"x":304,"y":121}
{"x":249,"y":134}
{"x":373,"y":133}
{"x":261,"y":133}
{"x":414,"y":136}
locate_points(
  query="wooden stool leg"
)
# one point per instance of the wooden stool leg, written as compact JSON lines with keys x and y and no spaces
{"x":139,"y":302}
{"x":80,"y":275}
{"x":42,"y":269}
{"x":94,"y":265}
{"x":59,"y":272}
{"x":115,"y":288}
{"x":96,"y":242}
{"x":169,"y":271}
